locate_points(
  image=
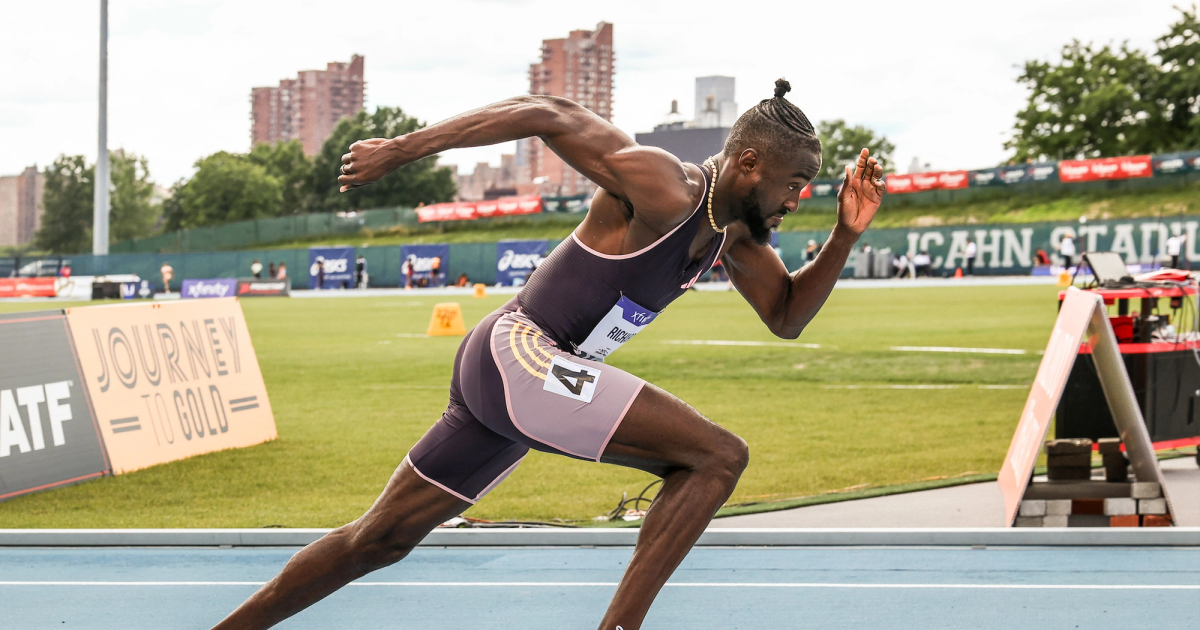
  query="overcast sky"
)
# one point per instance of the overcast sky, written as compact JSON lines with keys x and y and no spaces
{"x":936,"y":77}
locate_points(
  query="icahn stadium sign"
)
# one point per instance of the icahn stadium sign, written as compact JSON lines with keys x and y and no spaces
{"x":107,"y":390}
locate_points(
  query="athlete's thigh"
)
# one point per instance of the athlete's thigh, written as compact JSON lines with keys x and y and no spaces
{"x":409,"y":508}
{"x":660,"y":432}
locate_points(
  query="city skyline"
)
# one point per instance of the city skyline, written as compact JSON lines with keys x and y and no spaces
{"x":941,"y":86}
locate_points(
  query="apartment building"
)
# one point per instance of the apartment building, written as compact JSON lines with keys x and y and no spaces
{"x":308,"y":107}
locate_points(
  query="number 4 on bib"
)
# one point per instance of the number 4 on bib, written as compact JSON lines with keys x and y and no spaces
{"x":570,"y":379}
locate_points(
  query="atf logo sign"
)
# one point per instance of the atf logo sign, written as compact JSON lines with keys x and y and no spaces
{"x":515,"y":260}
{"x":48,"y":437}
{"x":171,"y":380}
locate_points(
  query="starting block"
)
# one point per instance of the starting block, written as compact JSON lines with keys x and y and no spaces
{"x":447,"y":321}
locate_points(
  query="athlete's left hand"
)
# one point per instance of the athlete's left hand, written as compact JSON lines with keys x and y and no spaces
{"x":861,"y":193}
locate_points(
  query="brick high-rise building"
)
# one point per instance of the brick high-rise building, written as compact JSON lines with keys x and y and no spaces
{"x":20,"y":207}
{"x":580,"y":68}
{"x":307,"y":107}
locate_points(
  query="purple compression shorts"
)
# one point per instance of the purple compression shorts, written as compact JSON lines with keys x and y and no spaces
{"x":513,"y":389}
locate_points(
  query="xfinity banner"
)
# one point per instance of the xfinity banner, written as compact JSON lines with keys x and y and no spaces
{"x":212,"y":288}
{"x":421,"y":258}
{"x":330,"y":267}
{"x":515,"y":260}
{"x":48,"y":436}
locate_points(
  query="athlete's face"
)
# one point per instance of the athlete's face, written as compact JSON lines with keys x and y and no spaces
{"x":776,"y":193}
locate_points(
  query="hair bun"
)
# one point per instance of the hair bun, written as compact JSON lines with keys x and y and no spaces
{"x":782,"y":87}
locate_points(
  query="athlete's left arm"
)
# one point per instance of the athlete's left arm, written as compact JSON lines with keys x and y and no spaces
{"x":788,"y":302}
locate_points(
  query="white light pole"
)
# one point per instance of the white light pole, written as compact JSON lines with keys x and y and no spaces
{"x":100,"y":205}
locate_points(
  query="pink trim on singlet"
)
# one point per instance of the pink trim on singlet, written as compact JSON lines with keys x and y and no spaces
{"x":651,"y":246}
{"x":422,"y":475}
{"x":508,"y":395}
{"x":620,"y":419}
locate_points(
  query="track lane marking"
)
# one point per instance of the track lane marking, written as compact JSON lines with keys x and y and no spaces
{"x":1194,"y":587}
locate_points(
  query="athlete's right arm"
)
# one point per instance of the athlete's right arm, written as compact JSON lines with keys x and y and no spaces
{"x":590,"y":144}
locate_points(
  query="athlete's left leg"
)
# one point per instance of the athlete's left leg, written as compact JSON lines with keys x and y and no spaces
{"x":409,"y":508}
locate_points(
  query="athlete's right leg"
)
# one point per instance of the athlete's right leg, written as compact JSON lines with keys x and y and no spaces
{"x":700,"y":463}
{"x":409,"y":508}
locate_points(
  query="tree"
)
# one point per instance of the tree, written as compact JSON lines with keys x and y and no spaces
{"x":130,"y":215}
{"x":1094,"y":102}
{"x":841,"y":145}
{"x":420,"y":182}
{"x":286,"y":162}
{"x":1111,"y":101}
{"x":68,"y":202}
{"x":67,"y":206}
{"x":226,"y":187}
{"x":1178,"y":87}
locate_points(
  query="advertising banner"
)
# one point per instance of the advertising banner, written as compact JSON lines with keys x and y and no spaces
{"x":1105,"y":168}
{"x":336,"y":268}
{"x":470,"y":210}
{"x":825,"y":187}
{"x":48,"y":436}
{"x":1010,"y":175}
{"x":1173,"y":163}
{"x":211,"y":288}
{"x":27,"y":287}
{"x":918,"y":182}
{"x":515,"y":260}
{"x":421,"y":257}
{"x":254,"y":287}
{"x":171,"y":380}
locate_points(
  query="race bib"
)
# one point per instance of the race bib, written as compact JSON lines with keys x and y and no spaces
{"x":570,"y":379}
{"x":622,"y":322}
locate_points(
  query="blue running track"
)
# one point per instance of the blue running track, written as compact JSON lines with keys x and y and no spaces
{"x":568,"y":588}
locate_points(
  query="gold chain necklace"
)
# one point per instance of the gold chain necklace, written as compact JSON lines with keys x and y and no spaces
{"x":712,"y":164}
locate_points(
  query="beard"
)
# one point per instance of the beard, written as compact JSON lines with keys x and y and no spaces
{"x":750,"y":213}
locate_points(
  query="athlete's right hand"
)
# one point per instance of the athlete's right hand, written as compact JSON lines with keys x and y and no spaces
{"x":368,"y":161}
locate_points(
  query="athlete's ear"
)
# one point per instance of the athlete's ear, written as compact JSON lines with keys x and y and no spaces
{"x":748,"y":160}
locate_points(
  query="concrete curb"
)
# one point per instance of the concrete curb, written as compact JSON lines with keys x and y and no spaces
{"x":553,"y":537}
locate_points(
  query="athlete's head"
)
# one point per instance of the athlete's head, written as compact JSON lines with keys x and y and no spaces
{"x":777,"y":152}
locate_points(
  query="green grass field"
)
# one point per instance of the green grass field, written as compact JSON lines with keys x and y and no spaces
{"x":351,"y":392}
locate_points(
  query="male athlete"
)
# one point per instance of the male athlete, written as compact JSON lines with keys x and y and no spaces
{"x":531,"y":374}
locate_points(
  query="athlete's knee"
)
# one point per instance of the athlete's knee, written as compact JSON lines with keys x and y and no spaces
{"x":374,"y":547}
{"x":728,"y":458}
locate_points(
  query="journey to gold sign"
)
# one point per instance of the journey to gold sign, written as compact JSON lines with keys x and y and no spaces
{"x":162,"y":382}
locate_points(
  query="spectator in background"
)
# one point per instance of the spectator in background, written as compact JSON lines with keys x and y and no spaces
{"x":360,"y":272}
{"x":1041,"y":258}
{"x":320,"y":272}
{"x":1066,"y":247}
{"x":167,"y":273}
{"x":282,"y":273}
{"x":922,"y":262}
{"x":435,"y":269}
{"x":972,"y":250}
{"x":901,"y":266}
{"x":256,"y":268}
{"x":407,"y":270}
{"x":718,"y":272}
{"x":65,"y":270}
{"x":462,"y":281}
{"x":810,"y":253}
{"x":1174,"y":247}
{"x":270,"y":270}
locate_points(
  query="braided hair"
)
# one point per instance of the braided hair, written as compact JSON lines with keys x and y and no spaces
{"x":774,"y":126}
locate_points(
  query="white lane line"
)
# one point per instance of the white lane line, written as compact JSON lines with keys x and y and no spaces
{"x":953,"y":349}
{"x":726,"y":342}
{"x":919,"y":386}
{"x":1194,"y":587}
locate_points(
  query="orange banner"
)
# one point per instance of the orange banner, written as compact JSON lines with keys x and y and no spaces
{"x":171,"y":380}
